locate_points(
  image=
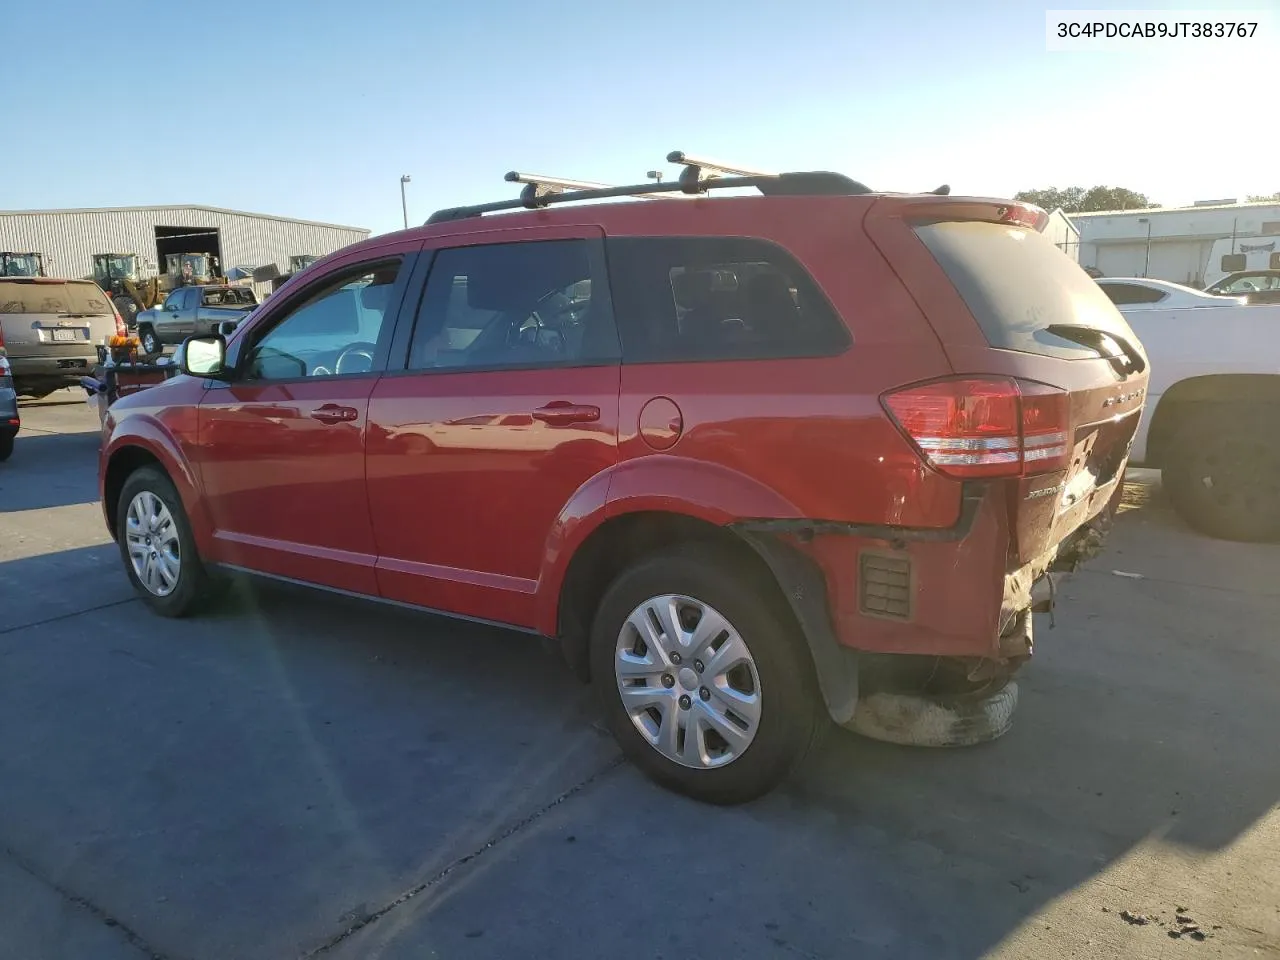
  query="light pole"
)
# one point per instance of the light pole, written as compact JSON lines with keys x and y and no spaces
{"x":404,"y":206}
{"x":1146,"y":266}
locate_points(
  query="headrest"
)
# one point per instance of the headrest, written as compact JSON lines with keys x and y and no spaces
{"x":692,"y":288}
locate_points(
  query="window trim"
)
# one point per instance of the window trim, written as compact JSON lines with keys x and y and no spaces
{"x":402,"y":350}
{"x":304,"y":294}
{"x":787,"y":259}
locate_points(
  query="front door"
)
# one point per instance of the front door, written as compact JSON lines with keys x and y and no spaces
{"x":282,"y":443}
{"x":507,"y":406}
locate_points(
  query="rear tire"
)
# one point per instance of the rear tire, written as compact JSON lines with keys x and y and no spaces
{"x":6,"y":447}
{"x":766,"y":704}
{"x":1222,"y":475}
{"x":152,"y":529}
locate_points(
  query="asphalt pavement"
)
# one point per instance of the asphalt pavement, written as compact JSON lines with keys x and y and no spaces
{"x":295,"y":776}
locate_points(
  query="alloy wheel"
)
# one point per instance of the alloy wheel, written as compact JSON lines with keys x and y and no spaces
{"x":154,"y":549}
{"x":688,"y":681}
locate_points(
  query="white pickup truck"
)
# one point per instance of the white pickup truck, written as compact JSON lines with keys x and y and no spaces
{"x":1212,"y":418}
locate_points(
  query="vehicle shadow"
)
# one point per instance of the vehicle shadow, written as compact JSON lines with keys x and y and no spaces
{"x":289,"y":763}
{"x":36,"y":476}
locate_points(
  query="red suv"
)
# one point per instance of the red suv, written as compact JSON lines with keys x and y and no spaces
{"x":740,"y":455}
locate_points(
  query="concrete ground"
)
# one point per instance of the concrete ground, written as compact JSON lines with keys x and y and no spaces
{"x":297,"y":776}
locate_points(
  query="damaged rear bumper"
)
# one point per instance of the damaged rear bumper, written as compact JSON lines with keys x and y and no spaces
{"x":962,"y":601}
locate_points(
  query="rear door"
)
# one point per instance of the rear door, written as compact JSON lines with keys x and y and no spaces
{"x":1005,"y":301}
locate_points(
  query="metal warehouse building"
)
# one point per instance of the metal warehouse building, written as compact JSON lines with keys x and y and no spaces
{"x":69,"y":238}
{"x":1182,"y":244}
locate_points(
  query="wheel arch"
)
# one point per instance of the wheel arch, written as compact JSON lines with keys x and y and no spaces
{"x":793,"y":584}
{"x":1195,"y":395}
{"x":147,"y":445}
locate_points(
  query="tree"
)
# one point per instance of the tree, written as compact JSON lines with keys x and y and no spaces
{"x":1080,"y":200}
{"x":1265,"y":198}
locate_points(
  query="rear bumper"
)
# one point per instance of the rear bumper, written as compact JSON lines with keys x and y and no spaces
{"x":68,"y":366}
{"x":948,"y":593}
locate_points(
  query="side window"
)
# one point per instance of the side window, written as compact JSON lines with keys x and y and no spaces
{"x":512,"y":305}
{"x":717,"y":298}
{"x":1245,"y":284}
{"x":174,"y":300}
{"x":333,"y":331}
{"x":1129,"y":293}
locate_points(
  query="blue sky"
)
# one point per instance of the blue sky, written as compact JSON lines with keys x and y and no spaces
{"x":315,"y":109}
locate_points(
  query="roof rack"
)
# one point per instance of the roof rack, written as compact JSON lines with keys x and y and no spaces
{"x":699,"y":176}
{"x":700,"y":169}
{"x":538,"y":186}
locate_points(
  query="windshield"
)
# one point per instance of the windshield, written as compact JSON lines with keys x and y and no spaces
{"x":188,"y":266}
{"x":20,"y":265}
{"x":116,"y":267}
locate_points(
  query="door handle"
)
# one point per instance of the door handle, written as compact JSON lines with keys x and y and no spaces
{"x":562,"y":413}
{"x":332,"y":413}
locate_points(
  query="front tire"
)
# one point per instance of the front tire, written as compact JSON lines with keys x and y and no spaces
{"x":1222,"y":474}
{"x":151,"y":344}
{"x":157,"y":546}
{"x":706,"y":683}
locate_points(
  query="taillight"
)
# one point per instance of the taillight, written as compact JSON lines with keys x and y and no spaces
{"x":121,"y":329}
{"x":985,"y":426}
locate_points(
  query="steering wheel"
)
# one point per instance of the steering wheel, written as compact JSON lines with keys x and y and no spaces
{"x":362,"y":348}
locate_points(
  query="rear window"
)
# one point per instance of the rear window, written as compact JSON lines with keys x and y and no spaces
{"x":229,"y":297}
{"x":1016,"y":283}
{"x":76,"y":297}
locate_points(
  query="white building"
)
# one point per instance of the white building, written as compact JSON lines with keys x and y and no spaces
{"x":1064,"y":234}
{"x":69,"y":238}
{"x":1171,"y":243}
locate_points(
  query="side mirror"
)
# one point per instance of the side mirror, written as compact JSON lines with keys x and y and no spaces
{"x":204,"y":356}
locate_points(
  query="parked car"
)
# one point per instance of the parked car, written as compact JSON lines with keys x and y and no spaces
{"x":10,"y":419}
{"x":1142,"y":293}
{"x":193,"y":311}
{"x":728,"y":453}
{"x":1256,"y":286}
{"x":50,"y":328}
{"x":1212,"y":401}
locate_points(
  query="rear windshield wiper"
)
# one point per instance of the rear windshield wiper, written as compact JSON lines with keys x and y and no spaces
{"x":1125,"y":357}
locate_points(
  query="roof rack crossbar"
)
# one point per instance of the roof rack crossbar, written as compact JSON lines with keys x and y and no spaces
{"x":795,"y":184}
{"x":700,"y":169}
{"x":539,"y":186}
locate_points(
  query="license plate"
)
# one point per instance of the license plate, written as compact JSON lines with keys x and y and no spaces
{"x":64,"y":336}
